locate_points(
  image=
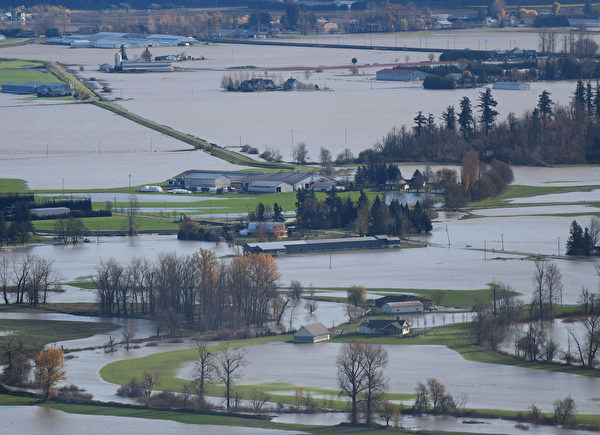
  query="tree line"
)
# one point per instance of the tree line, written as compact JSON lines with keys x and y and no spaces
{"x":502,"y":310}
{"x":379,"y":218}
{"x":198,"y":290}
{"x":547,"y":134}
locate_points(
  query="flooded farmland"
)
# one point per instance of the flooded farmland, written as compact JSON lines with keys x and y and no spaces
{"x":355,"y":115}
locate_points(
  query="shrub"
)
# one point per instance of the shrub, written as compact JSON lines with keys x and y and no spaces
{"x":134,"y":388}
{"x":434,"y":81}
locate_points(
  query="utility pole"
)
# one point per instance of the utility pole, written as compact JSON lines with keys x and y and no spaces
{"x":502,"y":236}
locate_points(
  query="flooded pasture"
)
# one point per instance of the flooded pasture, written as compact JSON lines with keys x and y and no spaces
{"x":485,"y":385}
{"x":430,"y":268}
{"x":360,"y":109}
{"x":37,"y":419}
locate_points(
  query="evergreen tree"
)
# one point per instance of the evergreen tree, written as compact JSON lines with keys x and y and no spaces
{"x":277,"y":213}
{"x":575,"y":243}
{"x":420,"y":122}
{"x":377,"y":217}
{"x":430,"y":123}
{"x":465,"y":117}
{"x":449,"y":118}
{"x":578,"y":101}
{"x":488,"y":114}
{"x":544,"y":105}
{"x":123,"y":51}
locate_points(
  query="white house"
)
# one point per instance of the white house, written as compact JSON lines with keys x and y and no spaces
{"x":312,"y":333}
{"x":403,"y":307}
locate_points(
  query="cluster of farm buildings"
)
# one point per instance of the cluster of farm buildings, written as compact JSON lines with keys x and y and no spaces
{"x":397,"y":304}
{"x":252,"y":182}
{"x":117,"y":39}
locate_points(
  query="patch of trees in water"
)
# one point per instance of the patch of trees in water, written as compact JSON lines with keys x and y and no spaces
{"x":548,"y":134}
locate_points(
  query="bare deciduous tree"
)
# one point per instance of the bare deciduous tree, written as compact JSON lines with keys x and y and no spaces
{"x":204,"y":369}
{"x":228,"y":366}
{"x":128,"y":333}
{"x":300,"y":153}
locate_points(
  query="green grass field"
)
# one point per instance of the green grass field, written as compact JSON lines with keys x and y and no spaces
{"x":20,"y":71}
{"x":34,"y":333}
{"x":12,"y":185}
{"x":113,"y":223}
{"x":521,"y":191}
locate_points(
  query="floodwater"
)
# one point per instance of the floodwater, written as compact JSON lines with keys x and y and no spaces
{"x":486,"y":386}
{"x":432,"y":423}
{"x":528,"y":234}
{"x":557,"y":330}
{"x":590,"y":196}
{"x":74,"y":262}
{"x":431,"y":267}
{"x":36,"y":419}
{"x":355,"y":115}
{"x":537,"y":210}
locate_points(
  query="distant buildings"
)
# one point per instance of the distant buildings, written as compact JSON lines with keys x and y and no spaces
{"x":253,"y":182}
{"x":274,"y":229}
{"x":403,"y":75}
{"x":116,"y":39}
{"x":511,"y":86}
{"x":41,"y":89}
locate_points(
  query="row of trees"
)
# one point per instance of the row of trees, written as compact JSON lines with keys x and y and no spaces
{"x":198,"y":289}
{"x":378,"y":218}
{"x":27,"y":279}
{"x":546,"y":134}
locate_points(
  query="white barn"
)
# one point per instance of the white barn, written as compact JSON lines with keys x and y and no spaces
{"x":403,"y":307}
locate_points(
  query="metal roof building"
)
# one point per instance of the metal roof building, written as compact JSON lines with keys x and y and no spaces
{"x":322,"y":245}
{"x":312,"y":333}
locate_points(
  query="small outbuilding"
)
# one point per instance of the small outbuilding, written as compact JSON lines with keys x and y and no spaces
{"x":312,"y":333}
{"x":403,"y":307}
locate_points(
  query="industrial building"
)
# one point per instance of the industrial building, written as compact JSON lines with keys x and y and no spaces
{"x":254,"y":182}
{"x":116,"y":39}
{"x":402,"y":75}
{"x":322,"y":245}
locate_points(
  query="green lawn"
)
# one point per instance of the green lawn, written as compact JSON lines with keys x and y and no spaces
{"x":20,"y":71}
{"x":464,"y":299}
{"x":113,"y":223}
{"x":12,"y":185}
{"x":521,"y":191}
{"x":34,"y":333}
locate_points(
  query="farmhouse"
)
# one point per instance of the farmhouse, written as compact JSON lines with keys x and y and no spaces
{"x":312,"y":333}
{"x":403,"y":307}
{"x":402,"y":75}
{"x":384,"y":327}
{"x":303,"y":246}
